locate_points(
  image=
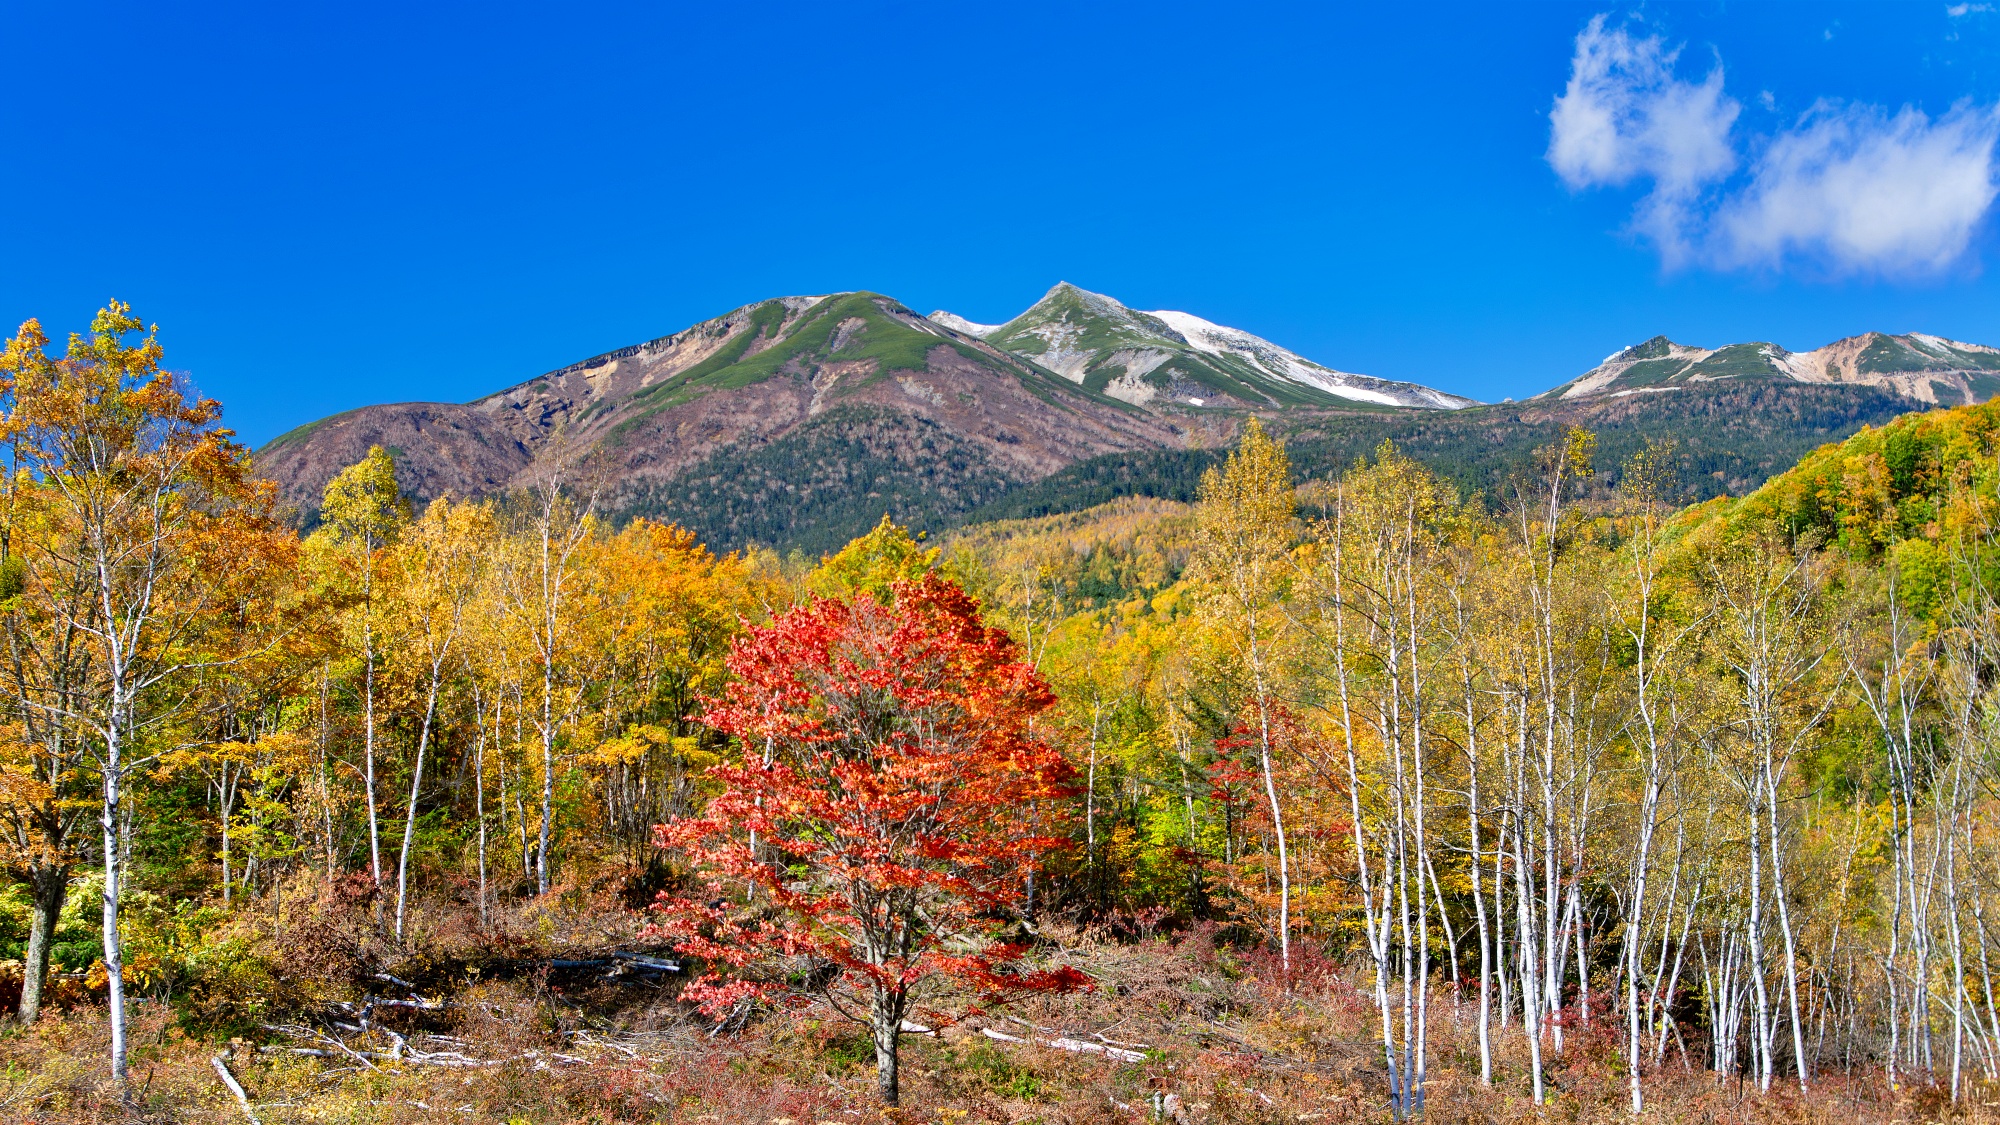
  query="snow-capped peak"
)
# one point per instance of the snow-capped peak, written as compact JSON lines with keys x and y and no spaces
{"x":958,"y":323}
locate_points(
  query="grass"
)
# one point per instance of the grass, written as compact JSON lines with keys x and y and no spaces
{"x":1652,"y":372}
{"x":1889,"y":353}
{"x":1096,"y":332}
{"x":1659,"y":347}
{"x":765,"y":320}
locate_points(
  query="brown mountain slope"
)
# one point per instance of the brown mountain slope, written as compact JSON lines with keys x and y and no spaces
{"x":440,"y":448}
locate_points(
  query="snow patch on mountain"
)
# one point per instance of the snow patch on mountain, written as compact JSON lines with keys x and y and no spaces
{"x":1079,"y":335}
{"x":958,"y":323}
{"x":1287,"y":365}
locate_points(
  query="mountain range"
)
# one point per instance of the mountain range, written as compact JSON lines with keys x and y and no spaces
{"x":1927,"y":369}
{"x":799,"y":421}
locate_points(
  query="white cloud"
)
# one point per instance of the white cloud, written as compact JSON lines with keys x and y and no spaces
{"x":1625,"y":117}
{"x":1845,"y":189}
{"x":1960,"y":11}
{"x":1858,"y":190}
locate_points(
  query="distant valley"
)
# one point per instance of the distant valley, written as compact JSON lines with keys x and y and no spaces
{"x":799,"y":421}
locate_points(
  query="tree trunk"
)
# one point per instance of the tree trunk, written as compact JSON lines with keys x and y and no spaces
{"x":1090,"y":799}
{"x":885,"y":1023}
{"x":1284,"y":857}
{"x":368,"y":758}
{"x":325,"y":782}
{"x":225,"y":793}
{"x":479,"y":798}
{"x":1277,"y":813}
{"x":1479,"y":907}
{"x":51,"y":886}
{"x":410,"y":812}
{"x":1530,"y":987}
{"x":1779,"y":893}
{"x":548,"y":778}
{"x":114,"y":876}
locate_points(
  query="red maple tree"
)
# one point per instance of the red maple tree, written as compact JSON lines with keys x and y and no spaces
{"x":891,"y":801}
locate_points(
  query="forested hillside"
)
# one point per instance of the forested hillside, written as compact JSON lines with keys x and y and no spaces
{"x":1727,"y":439}
{"x":1339,"y":786}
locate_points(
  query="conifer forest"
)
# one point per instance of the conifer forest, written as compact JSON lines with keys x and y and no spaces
{"x":1343,"y":797}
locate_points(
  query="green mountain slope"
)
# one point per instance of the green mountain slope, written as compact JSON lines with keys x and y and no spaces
{"x":813,"y":487}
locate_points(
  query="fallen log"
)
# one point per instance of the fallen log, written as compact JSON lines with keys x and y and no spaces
{"x":1065,"y":1043}
{"x":221,"y":1063}
{"x":313,"y":1052}
{"x":645,"y":962}
{"x":1078,"y":1045}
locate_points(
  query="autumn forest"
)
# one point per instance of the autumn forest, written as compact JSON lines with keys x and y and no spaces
{"x":1354,"y":797}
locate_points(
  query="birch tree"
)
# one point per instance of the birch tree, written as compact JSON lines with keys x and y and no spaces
{"x":362,"y":512}
{"x":438,"y":571}
{"x":145,"y":495}
{"x":1243,"y":527}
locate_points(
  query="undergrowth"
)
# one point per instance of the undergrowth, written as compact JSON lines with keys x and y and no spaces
{"x":492,"y":1027}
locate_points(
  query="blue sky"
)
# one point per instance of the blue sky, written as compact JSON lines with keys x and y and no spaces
{"x":327,"y":205}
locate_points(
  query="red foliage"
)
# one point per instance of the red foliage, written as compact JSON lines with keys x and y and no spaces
{"x":891,"y":801}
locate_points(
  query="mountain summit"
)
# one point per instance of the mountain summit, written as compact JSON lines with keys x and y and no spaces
{"x":1155,"y":359}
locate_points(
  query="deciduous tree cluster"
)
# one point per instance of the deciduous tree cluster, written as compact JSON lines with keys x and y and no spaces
{"x":1721,"y":777}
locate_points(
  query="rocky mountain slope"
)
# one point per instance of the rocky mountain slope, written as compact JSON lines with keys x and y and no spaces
{"x":1157,"y":358}
{"x":799,"y":420}
{"x":1927,"y":369}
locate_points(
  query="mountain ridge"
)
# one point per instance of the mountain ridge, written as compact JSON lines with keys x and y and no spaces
{"x":1169,"y":357}
{"x":775,"y":389}
{"x":799,"y":421}
{"x":1918,"y":366}
{"x":783,"y":370}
